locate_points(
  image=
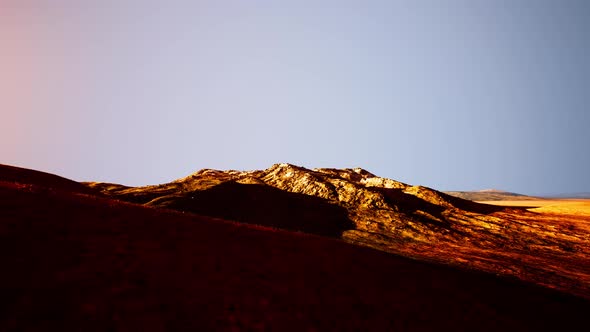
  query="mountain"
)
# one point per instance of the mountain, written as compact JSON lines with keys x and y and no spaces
{"x":490,"y":195}
{"x":499,"y":195}
{"x":364,"y":209}
{"x":580,"y":195}
{"x":72,"y":260}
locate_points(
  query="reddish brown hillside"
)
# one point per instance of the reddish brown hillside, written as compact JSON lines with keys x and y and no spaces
{"x":77,"y":262}
{"x":46,"y":180}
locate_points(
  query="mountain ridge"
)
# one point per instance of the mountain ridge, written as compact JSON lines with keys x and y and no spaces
{"x":490,"y":195}
{"x":362,"y":208}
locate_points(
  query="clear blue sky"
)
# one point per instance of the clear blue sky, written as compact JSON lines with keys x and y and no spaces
{"x":448,"y":94}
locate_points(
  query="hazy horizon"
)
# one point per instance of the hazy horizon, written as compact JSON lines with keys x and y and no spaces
{"x":453,"y":95}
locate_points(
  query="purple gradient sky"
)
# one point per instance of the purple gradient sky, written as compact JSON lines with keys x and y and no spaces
{"x":448,"y":94}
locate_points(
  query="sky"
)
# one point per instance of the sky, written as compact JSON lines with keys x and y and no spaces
{"x":453,"y":95}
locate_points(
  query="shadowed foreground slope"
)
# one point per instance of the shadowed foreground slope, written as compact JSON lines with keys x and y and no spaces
{"x":263,"y":205}
{"x":78,"y":262}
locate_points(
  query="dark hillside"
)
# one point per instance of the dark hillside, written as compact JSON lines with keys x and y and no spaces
{"x":81,"y":263}
{"x":42,"y":179}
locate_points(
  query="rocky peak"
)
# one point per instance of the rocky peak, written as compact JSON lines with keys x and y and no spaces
{"x":362,"y":208}
{"x":373,"y":203}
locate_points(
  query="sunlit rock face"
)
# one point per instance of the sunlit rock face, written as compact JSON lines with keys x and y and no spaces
{"x":362,"y":208}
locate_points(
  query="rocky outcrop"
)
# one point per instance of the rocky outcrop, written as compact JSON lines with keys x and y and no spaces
{"x":362,"y":208}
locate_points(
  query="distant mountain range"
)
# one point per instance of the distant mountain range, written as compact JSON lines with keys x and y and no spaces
{"x":489,"y":195}
{"x":499,"y":195}
{"x":581,"y":195}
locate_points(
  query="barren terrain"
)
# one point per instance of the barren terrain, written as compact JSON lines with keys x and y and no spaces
{"x":548,"y":249}
{"x":80,"y":260}
{"x":558,"y":206}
